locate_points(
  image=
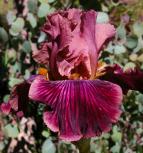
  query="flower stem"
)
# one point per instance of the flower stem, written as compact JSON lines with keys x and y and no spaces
{"x":83,"y":145}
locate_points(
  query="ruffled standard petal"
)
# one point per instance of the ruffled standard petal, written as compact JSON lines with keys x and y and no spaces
{"x":72,"y":30}
{"x":104,"y":32}
{"x":70,"y":56}
{"x":131,"y":79}
{"x":42,"y":55}
{"x":78,"y":109}
{"x":73,"y":57}
{"x":74,"y":42}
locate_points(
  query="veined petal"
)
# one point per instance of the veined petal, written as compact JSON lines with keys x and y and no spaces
{"x":130,"y":79}
{"x":78,"y":108}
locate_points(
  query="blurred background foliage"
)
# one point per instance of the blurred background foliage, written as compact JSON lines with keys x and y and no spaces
{"x":20,"y":22}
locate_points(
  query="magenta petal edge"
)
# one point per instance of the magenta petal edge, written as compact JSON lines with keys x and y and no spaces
{"x":79,"y":108}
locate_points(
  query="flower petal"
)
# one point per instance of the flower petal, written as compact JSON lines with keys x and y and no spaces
{"x":42,"y":55}
{"x":74,"y":41}
{"x":5,"y":108}
{"x":65,"y":29}
{"x":83,"y":55}
{"x":130,"y":79}
{"x":79,"y":108}
{"x":19,"y":97}
{"x":103,"y":33}
{"x":18,"y":101}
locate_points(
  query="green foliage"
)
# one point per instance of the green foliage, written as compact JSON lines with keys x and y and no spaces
{"x":6,"y":6}
{"x":121,"y":31}
{"x":14,"y":81}
{"x":119,"y":49}
{"x":26,"y":47}
{"x":43,"y":10}
{"x":17,"y":26}
{"x":10,"y":17}
{"x":48,"y":147}
{"x":116,"y":135}
{"x":131,"y":42}
{"x":102,"y":17}
{"x":32,"y":6}
{"x":46,"y":134}
{"x":11,"y":131}
{"x":138,"y":29}
{"x":32,"y":20}
{"x":3,"y":35}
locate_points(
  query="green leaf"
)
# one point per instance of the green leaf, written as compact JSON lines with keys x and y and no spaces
{"x":139,"y":131}
{"x":42,"y":37}
{"x":2,"y":146}
{"x":17,"y":26}
{"x":10,"y":17}
{"x":43,"y":10}
{"x":138,"y":29}
{"x":27,"y":74}
{"x":11,"y":131}
{"x":131,"y":42}
{"x":32,"y":20}
{"x":3,"y":35}
{"x":139,"y":45}
{"x":116,"y":136}
{"x":106,"y":135}
{"x":51,"y":1}
{"x":26,"y":46}
{"x":43,"y":1}
{"x":116,"y":148}
{"x":6,"y":98}
{"x":46,"y":134}
{"x":110,"y":48}
{"x":129,"y":65}
{"x":140,"y":58}
{"x":102,"y":17}
{"x":16,"y":67}
{"x":5,"y":6}
{"x":121,"y":32}
{"x":48,"y":147}
{"x":11,"y":55}
{"x":133,"y":57}
{"x":14,"y":81}
{"x":32,"y":6}
{"x":119,"y":49}
{"x":139,"y":98}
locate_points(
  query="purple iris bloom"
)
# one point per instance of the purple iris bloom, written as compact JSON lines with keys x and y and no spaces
{"x":81,"y":106}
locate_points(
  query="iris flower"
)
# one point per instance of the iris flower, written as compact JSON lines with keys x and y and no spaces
{"x":82,"y":95}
